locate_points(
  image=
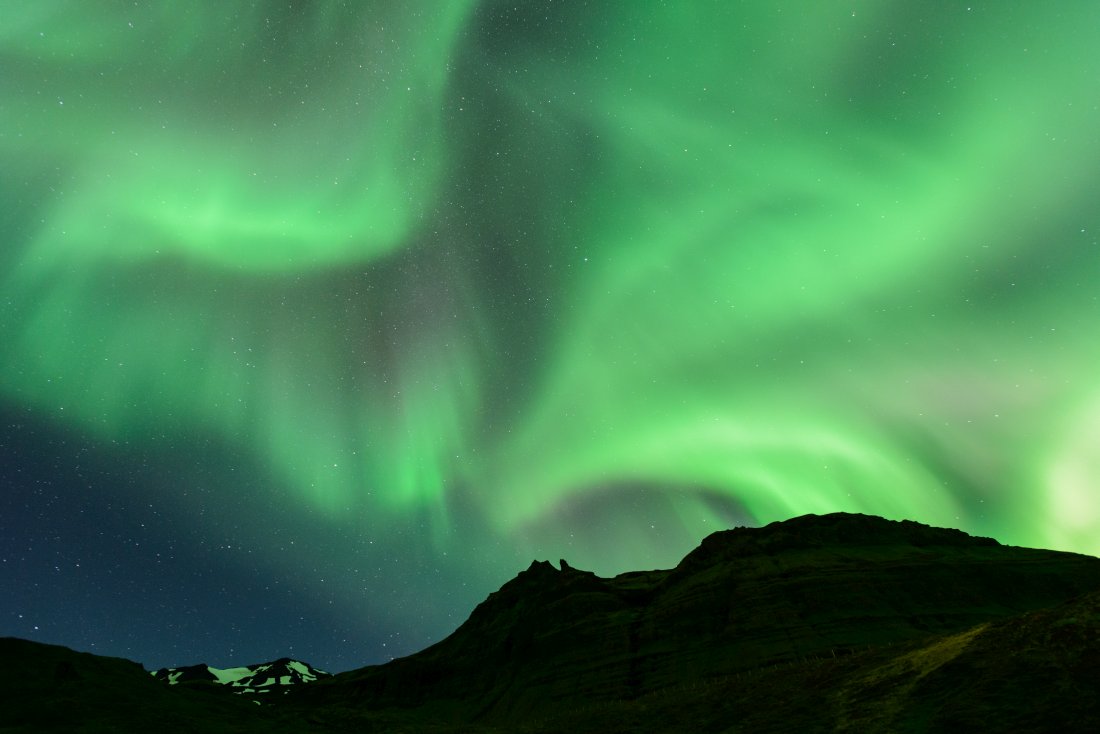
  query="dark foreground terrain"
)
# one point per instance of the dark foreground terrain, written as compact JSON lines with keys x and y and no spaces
{"x":835,"y":623}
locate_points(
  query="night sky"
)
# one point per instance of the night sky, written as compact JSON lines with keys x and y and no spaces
{"x":321,"y":320}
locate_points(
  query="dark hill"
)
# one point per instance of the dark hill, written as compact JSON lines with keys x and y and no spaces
{"x":1035,"y":673}
{"x":746,"y":599}
{"x":49,"y":688}
{"x":835,"y":623}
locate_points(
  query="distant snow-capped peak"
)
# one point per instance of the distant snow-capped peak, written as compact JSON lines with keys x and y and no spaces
{"x":260,"y":678}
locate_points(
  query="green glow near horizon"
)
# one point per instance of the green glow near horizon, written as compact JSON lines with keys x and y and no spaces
{"x":416,"y":263}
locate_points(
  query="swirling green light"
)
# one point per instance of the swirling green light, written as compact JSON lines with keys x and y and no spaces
{"x":246,"y":140}
{"x":454,"y":262}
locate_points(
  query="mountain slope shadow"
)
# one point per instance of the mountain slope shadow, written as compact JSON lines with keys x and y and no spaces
{"x":813,"y":587}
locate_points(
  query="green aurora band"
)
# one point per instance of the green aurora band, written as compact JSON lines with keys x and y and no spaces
{"x":540,"y":275}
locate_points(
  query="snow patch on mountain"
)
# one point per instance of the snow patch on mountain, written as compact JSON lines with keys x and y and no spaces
{"x":260,"y":678}
{"x":230,"y":675}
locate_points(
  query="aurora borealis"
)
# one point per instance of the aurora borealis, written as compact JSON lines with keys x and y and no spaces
{"x":338,"y":313}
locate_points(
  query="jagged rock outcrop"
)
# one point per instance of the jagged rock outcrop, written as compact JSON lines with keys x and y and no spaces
{"x":746,"y":598}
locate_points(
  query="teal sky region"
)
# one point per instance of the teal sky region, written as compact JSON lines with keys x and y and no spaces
{"x":364,"y":305}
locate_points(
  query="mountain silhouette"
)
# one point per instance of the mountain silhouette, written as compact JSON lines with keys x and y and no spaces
{"x":744,"y":599}
{"x":260,"y":678}
{"x":828,"y":623}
